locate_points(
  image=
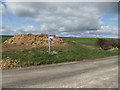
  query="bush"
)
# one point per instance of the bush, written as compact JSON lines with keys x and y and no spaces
{"x":114,"y":43}
{"x":108,"y":43}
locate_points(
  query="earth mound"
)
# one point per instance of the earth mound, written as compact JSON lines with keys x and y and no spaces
{"x":34,"y":40}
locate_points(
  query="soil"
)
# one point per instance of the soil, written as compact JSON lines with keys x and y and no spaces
{"x":29,"y":41}
{"x":88,"y":46}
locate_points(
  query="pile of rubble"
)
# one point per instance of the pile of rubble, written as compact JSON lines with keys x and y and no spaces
{"x":35,"y":40}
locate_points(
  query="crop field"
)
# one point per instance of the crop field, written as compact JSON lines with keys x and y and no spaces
{"x":76,"y":49}
{"x":3,"y":38}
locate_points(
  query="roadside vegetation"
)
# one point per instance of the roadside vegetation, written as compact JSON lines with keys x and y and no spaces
{"x":107,"y":44}
{"x":76,"y":49}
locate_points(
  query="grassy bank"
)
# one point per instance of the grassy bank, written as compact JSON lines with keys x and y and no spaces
{"x":73,"y":51}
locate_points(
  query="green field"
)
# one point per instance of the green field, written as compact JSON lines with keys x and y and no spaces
{"x":74,"y":51}
{"x":4,"y":37}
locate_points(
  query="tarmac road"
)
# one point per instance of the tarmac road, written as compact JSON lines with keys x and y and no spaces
{"x":99,"y":73}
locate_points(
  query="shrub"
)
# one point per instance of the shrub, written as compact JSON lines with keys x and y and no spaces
{"x":114,"y":43}
{"x":118,"y":46}
{"x":108,"y":43}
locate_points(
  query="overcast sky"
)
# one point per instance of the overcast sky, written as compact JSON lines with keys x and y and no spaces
{"x":73,"y":19}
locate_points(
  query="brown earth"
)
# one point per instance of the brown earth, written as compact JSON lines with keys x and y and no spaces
{"x":7,"y":47}
{"x":28,"y":41}
{"x":88,"y":46}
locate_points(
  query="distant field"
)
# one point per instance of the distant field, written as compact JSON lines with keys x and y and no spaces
{"x":85,"y":41}
{"x":77,"y":49}
{"x":4,"y":37}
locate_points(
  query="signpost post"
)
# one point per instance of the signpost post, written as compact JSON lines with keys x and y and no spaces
{"x":50,"y":38}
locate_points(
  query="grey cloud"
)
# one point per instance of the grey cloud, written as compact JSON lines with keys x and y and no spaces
{"x":52,"y":6}
{"x":25,"y":7}
{"x":108,"y":7}
{"x":63,"y":19}
{"x":105,"y":31}
{"x":10,"y":29}
{"x":70,"y":18}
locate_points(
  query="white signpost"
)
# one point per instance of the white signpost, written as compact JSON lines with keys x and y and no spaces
{"x":50,"y":38}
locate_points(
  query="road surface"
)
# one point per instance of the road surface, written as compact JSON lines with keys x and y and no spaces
{"x":99,"y":73}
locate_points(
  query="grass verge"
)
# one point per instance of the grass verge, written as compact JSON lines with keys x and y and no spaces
{"x":72,"y":52}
